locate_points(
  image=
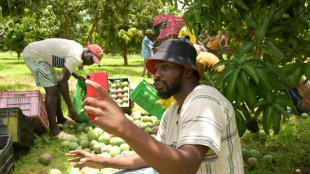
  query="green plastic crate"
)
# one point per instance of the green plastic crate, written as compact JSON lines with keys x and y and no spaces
{"x":79,"y":96}
{"x":21,"y":128}
{"x":145,"y":96}
{"x":6,"y":154}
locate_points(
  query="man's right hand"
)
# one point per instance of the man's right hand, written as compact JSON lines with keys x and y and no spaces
{"x":109,"y":116}
{"x":87,"y":159}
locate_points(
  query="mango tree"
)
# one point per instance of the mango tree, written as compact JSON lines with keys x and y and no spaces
{"x":31,"y":27}
{"x":270,"y":41}
{"x":126,"y":19}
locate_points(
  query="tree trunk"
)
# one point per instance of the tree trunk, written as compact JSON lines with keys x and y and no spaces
{"x":124,"y":55}
{"x":67,"y":21}
{"x":18,"y":54}
{"x":93,"y":29}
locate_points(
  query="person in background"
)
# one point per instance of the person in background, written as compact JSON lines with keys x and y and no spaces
{"x":186,"y":31}
{"x":147,"y":50}
{"x":42,"y":57}
{"x":204,"y":60}
{"x":299,"y":94}
{"x":197,"y":134}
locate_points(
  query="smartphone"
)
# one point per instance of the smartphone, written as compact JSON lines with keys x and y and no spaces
{"x":102,"y":79}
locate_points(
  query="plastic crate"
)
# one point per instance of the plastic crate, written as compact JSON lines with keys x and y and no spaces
{"x":127,"y":106}
{"x":17,"y":125}
{"x":6,"y":154}
{"x":80,"y":95}
{"x":30,"y":102}
{"x":145,"y":96}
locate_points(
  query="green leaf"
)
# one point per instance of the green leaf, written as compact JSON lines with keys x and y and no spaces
{"x":263,"y":76}
{"x":207,"y":75}
{"x":272,"y":46}
{"x":241,"y":4}
{"x":222,"y":63}
{"x":286,"y":102}
{"x":240,"y":124}
{"x":244,"y":78}
{"x":277,"y":28}
{"x":276,"y":119}
{"x":240,"y":88}
{"x":259,"y":110}
{"x":251,"y":70}
{"x":251,"y":97}
{"x":225,"y":73}
{"x":251,"y":22}
{"x":276,"y":70}
{"x":245,"y":57}
{"x":245,"y":112}
{"x":280,"y":109}
{"x":231,"y":87}
{"x":289,"y":68}
{"x":267,"y":114}
{"x":260,"y":32}
{"x":298,"y":74}
{"x":197,"y":16}
{"x":246,"y":47}
{"x":261,"y":103}
{"x":306,"y":69}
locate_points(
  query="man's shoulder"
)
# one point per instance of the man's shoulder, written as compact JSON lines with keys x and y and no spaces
{"x":201,"y":91}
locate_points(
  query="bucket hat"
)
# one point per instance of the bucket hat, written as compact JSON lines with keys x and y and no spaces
{"x":176,"y":51}
{"x":97,"y":51}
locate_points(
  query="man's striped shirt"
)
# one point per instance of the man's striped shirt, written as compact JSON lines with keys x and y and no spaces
{"x":206,"y":118}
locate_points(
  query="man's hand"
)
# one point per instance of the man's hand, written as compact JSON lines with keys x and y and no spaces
{"x":81,"y":78}
{"x":109,"y":116}
{"x":73,"y":113}
{"x":85,"y":159}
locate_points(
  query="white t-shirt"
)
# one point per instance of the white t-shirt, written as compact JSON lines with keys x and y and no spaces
{"x":207,"y":118}
{"x":56,"y":52}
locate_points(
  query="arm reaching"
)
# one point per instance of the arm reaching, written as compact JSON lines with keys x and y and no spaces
{"x":161,"y":157}
{"x":95,"y":161}
{"x":78,"y":77}
{"x":64,"y":90}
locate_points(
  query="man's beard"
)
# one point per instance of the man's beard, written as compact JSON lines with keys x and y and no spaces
{"x":174,"y":89}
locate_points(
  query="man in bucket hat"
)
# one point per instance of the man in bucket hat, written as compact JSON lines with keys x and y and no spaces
{"x":42,"y":57}
{"x":197,"y":133}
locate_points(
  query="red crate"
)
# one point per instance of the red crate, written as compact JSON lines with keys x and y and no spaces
{"x":30,"y":102}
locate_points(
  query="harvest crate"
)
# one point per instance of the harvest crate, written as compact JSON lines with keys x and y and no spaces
{"x":6,"y":154}
{"x":30,"y":102}
{"x":126,"y":107}
{"x":145,"y":96}
{"x":80,"y":95}
{"x":17,"y":125}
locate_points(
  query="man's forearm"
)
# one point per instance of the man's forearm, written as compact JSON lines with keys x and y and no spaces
{"x":64,"y":91}
{"x":125,"y":162}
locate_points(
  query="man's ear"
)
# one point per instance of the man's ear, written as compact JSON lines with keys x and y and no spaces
{"x":189,"y":72}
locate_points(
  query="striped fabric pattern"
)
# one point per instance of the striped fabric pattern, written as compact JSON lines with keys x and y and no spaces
{"x":58,"y":61}
{"x":206,"y":118}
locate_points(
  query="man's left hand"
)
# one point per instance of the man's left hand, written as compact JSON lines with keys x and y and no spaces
{"x":73,"y":113}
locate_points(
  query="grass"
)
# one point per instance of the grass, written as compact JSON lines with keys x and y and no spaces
{"x":290,"y":148}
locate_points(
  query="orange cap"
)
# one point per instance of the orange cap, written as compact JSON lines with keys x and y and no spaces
{"x":97,"y":51}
